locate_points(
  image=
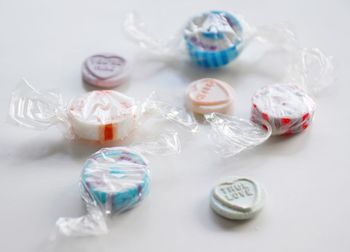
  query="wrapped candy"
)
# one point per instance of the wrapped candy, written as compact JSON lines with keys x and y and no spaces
{"x":213,"y":39}
{"x":114,"y":180}
{"x":117,"y":177}
{"x":277,"y":109}
{"x":287,"y":108}
{"x":101,"y":116}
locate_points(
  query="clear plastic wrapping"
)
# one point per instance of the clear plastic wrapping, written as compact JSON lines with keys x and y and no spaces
{"x":36,"y":109}
{"x":287,"y":108}
{"x":232,"y":135}
{"x":100,"y":116}
{"x":117,"y":178}
{"x":283,"y":108}
{"x":213,"y":39}
{"x":114,"y":180}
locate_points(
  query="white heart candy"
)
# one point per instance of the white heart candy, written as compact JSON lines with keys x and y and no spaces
{"x":240,"y":194}
{"x":105,"y":66}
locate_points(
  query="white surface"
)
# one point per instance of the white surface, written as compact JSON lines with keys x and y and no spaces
{"x":306,"y":177}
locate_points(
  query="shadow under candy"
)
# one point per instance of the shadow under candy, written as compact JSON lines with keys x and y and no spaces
{"x":210,"y":219}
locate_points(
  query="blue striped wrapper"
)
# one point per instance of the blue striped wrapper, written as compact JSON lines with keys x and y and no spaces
{"x":216,"y":58}
{"x":120,"y":199}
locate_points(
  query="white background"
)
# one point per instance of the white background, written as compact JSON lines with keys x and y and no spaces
{"x":306,"y":176}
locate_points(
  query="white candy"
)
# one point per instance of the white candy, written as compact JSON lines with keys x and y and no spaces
{"x":237,"y":198}
{"x":102,"y":116}
{"x":287,"y":108}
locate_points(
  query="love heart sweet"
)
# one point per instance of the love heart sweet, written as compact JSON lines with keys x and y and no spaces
{"x":105,"y":70}
{"x":210,"y":95}
{"x":237,"y":198}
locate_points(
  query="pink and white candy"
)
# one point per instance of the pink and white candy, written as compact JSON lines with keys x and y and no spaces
{"x":210,"y":95}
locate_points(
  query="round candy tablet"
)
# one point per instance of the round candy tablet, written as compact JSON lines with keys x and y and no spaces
{"x":117,"y":178}
{"x":237,"y":198}
{"x":214,"y":38}
{"x":105,"y":70}
{"x":287,"y":108}
{"x":102,"y":116}
{"x":210,"y":95}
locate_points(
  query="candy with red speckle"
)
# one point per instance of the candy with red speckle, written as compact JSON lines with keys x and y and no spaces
{"x":287,"y":108}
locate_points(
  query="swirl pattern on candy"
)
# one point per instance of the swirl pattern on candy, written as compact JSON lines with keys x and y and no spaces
{"x":214,"y":38}
{"x":117,"y":178}
{"x":102,"y":116}
{"x":287,"y":108}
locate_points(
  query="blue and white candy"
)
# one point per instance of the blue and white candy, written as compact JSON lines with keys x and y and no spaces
{"x":214,"y":38}
{"x":117,"y":178}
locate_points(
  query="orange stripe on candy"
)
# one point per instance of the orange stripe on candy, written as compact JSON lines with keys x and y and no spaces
{"x":108,"y":132}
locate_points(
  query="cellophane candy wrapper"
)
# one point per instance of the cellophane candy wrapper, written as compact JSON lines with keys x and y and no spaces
{"x":114,"y":180}
{"x":100,"y":116}
{"x":212,"y":39}
{"x":232,"y":135}
{"x":284,"y":108}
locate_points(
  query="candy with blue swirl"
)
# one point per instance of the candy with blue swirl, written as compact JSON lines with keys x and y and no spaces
{"x":214,"y":38}
{"x":117,"y":178}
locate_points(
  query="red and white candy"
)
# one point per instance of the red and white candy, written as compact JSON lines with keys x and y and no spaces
{"x":287,"y":108}
{"x":210,"y":95}
{"x":102,"y":116}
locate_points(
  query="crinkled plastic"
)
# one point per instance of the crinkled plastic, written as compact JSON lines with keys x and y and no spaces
{"x":213,"y":39}
{"x":280,"y":108}
{"x":36,"y":109}
{"x":170,"y":112}
{"x":114,"y":180}
{"x":311,"y":70}
{"x":232,"y":135}
{"x":287,"y":108}
{"x":100,"y":116}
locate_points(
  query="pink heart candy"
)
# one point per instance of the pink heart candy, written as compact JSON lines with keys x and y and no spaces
{"x":210,"y":92}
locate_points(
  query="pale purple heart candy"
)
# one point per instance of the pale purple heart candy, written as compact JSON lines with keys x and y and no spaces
{"x":105,"y":70}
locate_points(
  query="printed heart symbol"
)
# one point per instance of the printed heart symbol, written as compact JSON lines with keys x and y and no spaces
{"x":105,"y":66}
{"x":210,"y":92}
{"x":240,"y":194}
